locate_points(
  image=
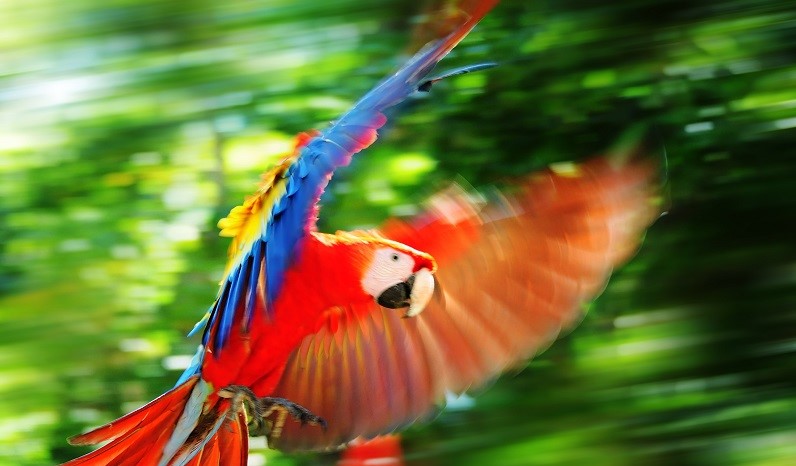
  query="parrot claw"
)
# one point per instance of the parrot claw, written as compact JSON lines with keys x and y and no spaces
{"x":260,"y":409}
{"x":296,"y":411}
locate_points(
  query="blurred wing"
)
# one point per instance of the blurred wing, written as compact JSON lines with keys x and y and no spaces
{"x":513,"y":275}
{"x":269,"y":227}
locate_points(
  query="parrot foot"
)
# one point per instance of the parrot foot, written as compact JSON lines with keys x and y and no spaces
{"x":260,"y":409}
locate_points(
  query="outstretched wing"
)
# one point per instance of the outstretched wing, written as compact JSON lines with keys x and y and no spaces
{"x":513,"y":274}
{"x":268,"y":229}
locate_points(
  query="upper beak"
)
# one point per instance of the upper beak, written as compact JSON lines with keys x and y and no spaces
{"x":414,"y":293}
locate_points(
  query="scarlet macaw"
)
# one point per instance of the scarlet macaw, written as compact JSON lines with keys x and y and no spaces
{"x":304,"y":322}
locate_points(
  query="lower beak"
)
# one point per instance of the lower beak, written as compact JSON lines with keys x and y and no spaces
{"x":414,"y":293}
{"x":397,"y":296}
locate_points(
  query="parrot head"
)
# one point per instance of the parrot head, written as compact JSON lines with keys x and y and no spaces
{"x":399,"y":277}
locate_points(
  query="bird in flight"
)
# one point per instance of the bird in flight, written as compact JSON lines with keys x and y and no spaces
{"x":316,"y":338}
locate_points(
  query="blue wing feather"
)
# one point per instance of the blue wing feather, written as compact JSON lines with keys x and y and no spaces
{"x":253,"y":263}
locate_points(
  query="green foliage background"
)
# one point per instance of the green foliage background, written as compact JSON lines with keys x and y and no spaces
{"x":128,"y":127}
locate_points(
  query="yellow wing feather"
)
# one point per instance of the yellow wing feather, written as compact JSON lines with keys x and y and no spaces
{"x":244,"y":223}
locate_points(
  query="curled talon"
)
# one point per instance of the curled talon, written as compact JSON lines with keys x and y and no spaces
{"x":298,"y":412}
{"x":260,"y":409}
{"x":283,"y":407}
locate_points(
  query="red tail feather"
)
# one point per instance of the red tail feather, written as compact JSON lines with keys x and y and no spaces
{"x":139,"y":438}
{"x":125,"y":424}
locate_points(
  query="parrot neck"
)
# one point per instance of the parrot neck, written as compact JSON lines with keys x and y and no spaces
{"x":330,"y":272}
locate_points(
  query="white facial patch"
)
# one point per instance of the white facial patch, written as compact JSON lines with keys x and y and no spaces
{"x":388,"y":268}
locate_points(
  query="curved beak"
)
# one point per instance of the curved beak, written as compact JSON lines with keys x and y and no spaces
{"x":414,"y":293}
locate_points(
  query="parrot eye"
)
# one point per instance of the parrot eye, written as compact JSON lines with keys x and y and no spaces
{"x":388,"y":267}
